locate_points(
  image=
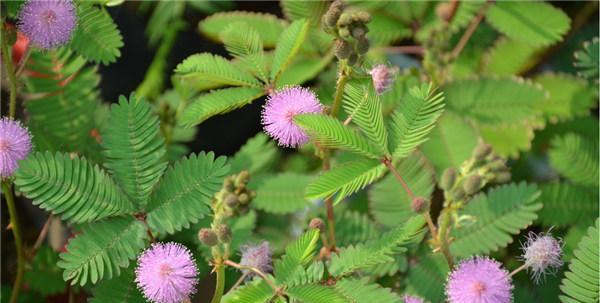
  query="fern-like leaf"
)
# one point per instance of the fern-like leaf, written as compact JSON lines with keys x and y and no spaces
{"x":121,"y":289}
{"x":282,"y":193}
{"x":586,"y":60}
{"x":576,"y":158}
{"x":134,"y":149}
{"x":352,"y":227}
{"x":428,"y":276}
{"x":218,"y":102}
{"x":330,"y":132}
{"x":510,"y":57}
{"x":499,"y":215}
{"x":311,"y":10}
{"x":214,"y":69}
{"x":243,"y":42}
{"x":256,"y":156}
{"x":567,"y":204}
{"x":287,"y":46}
{"x":97,"y":37}
{"x":536,"y":23}
{"x":376,"y":251}
{"x":345,"y":180}
{"x":415,"y":119}
{"x":569,"y":96}
{"x":102,"y":250}
{"x":70,"y":187}
{"x":297,"y":255}
{"x":268,"y":26}
{"x":580,"y":284}
{"x":364,"y":108}
{"x":257,"y":291}
{"x":315,"y":293}
{"x":362,"y":291}
{"x":185,"y":192}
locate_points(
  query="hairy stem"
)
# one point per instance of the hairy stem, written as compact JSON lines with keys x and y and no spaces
{"x":10,"y":70}
{"x":520,"y":268}
{"x":256,"y":271}
{"x":220,"y":287}
{"x":469,"y":31}
{"x":344,"y":73}
{"x":16,"y":230}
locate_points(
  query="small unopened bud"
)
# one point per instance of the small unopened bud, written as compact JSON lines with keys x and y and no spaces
{"x":228,"y":185}
{"x":419,"y":205}
{"x":344,"y":20}
{"x":481,"y":151}
{"x":343,"y":50}
{"x":448,"y":178}
{"x":358,"y":32}
{"x":353,"y":59}
{"x":362,"y":45}
{"x":317,"y":223}
{"x":458,"y":193}
{"x":223,"y":233}
{"x":242,"y":178}
{"x":363,"y":16}
{"x":231,"y":200}
{"x":244,"y":198}
{"x":444,"y":11}
{"x":208,"y":237}
{"x":502,"y":177}
{"x":497,"y":166}
{"x":344,"y":32}
{"x":472,"y":184}
{"x":333,"y":13}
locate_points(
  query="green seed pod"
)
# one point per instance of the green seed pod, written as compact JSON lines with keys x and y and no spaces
{"x":362,"y":45}
{"x":419,"y":205}
{"x":472,"y":184}
{"x":344,"y":32}
{"x":223,"y":233}
{"x":481,"y":151}
{"x":231,"y":201}
{"x":363,"y":16}
{"x":317,"y":223}
{"x":243,"y":198}
{"x":343,"y":50}
{"x":208,"y":237}
{"x":448,"y":178}
{"x":502,"y":177}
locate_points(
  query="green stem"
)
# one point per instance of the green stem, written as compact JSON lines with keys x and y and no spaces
{"x":339,"y":89}
{"x":220,"y":287}
{"x":10,"y":70}
{"x":16,"y":229}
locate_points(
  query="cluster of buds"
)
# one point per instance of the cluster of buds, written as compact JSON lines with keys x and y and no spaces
{"x":350,"y":28}
{"x":482,"y":168}
{"x":235,"y":194}
{"x":213,"y":236}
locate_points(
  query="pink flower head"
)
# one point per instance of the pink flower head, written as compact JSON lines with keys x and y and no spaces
{"x":280,"y":109}
{"x":15,"y":145}
{"x":412,"y":299}
{"x":166,"y":273}
{"x":48,"y":23}
{"x":542,"y":254}
{"x":382,"y":77}
{"x":479,"y":280}
{"x":258,"y":256}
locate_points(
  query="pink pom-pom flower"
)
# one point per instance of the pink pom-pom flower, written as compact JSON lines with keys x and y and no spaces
{"x":48,"y":23}
{"x":280,"y":109}
{"x":15,"y":145}
{"x":542,"y":254}
{"x":479,"y":280}
{"x":257,"y":256}
{"x":412,"y":299}
{"x":382,"y":77}
{"x":166,"y":273}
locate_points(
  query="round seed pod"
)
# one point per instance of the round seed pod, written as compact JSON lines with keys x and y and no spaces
{"x":344,"y":32}
{"x":208,"y":237}
{"x":244,"y":198}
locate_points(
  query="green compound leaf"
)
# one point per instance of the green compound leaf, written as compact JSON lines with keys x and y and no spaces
{"x":580,"y":284}
{"x":44,"y":277}
{"x":345,"y":179}
{"x":494,"y":100}
{"x":586,"y":59}
{"x":257,"y":291}
{"x":315,"y":293}
{"x":363,"y":291}
{"x":510,"y":57}
{"x":218,"y":102}
{"x":310,"y":10}
{"x":70,"y":187}
{"x":121,"y":289}
{"x":377,"y":251}
{"x":363,"y":106}
{"x":282,"y":193}
{"x":567,"y":204}
{"x":243,"y":42}
{"x":385,"y":29}
{"x":575,"y":158}
{"x":536,"y":23}
{"x":134,"y":148}
{"x":352,"y":227}
{"x":102,"y":250}
{"x":268,"y":26}
{"x":507,"y":140}
{"x":256,"y":156}
{"x":499,"y":215}
{"x":185,"y":192}
{"x":214,"y":69}
{"x":298,"y":255}
{"x":569,"y":97}
{"x":389,"y":202}
{"x":414,"y":119}
{"x":331,"y":133}
{"x":428,"y":276}
{"x":97,"y":37}
{"x":288,"y":45}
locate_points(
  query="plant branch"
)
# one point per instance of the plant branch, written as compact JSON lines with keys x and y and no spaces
{"x":344,"y":73}
{"x":469,"y":31}
{"x":256,"y":271}
{"x":16,"y":230}
{"x":520,"y":268}
{"x":220,"y":287}
{"x":405,"y":49}
{"x":10,"y":70}
{"x":41,"y":237}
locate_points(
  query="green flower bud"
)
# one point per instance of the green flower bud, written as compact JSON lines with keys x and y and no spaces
{"x":208,"y":237}
{"x":497,"y":166}
{"x":231,"y":200}
{"x":363,"y":16}
{"x":242,"y":178}
{"x":353,"y":59}
{"x":343,"y":50}
{"x":344,"y":20}
{"x":502,"y":177}
{"x":458,"y":193}
{"x":344,"y":32}
{"x":362,"y":45}
{"x":358,"y":32}
{"x":223,"y":233}
{"x":472,"y":184}
{"x":317,"y":223}
{"x":419,"y":205}
{"x":448,"y":178}
{"x":481,"y":151}
{"x":243,"y":198}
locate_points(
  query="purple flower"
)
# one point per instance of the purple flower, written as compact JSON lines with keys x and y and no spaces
{"x":166,"y":273}
{"x":479,"y":280}
{"x":48,"y":23}
{"x":412,"y":299}
{"x":15,"y":145}
{"x":280,"y":109}
{"x":258,"y":256}
{"x":542,"y":253}
{"x":382,"y":77}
